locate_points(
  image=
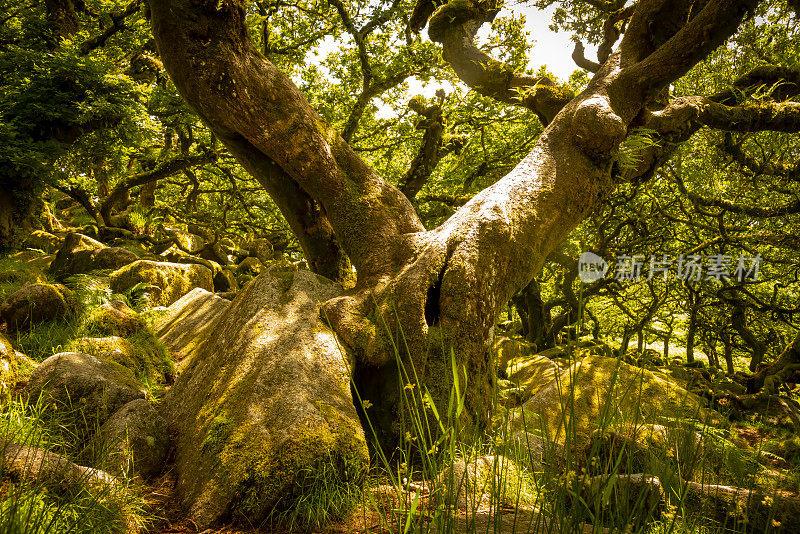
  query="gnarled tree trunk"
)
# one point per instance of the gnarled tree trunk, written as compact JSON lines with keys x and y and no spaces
{"x":427,"y":292}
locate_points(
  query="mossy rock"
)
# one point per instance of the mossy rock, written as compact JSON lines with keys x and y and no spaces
{"x":75,"y":256}
{"x":506,"y":349}
{"x":262,"y":249}
{"x":577,"y":350}
{"x":599,"y":392}
{"x":112,"y":258}
{"x":16,"y":271}
{"x":44,"y":241}
{"x":250,"y":266}
{"x":170,"y":281}
{"x":134,"y":441}
{"x":142,"y":353}
{"x":80,"y":381}
{"x":189,"y":322}
{"x":703,"y":454}
{"x":265,"y":418}
{"x":34,"y":304}
{"x":470,"y":485}
{"x":531,"y":373}
{"x":114,"y":318}
{"x":225,"y":281}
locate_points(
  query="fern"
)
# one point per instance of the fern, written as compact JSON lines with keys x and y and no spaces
{"x":630,"y":152}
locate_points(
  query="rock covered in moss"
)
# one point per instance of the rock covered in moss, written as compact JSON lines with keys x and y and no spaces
{"x":189,"y":322}
{"x":536,"y":453}
{"x":76,"y":380}
{"x":736,"y":509}
{"x":247,"y":269}
{"x":114,"y":318}
{"x":264,"y":413}
{"x":507,"y":349}
{"x":133,"y":441}
{"x":33,"y":304}
{"x":470,"y":486}
{"x":41,"y":467}
{"x":531,"y":373}
{"x":142,"y":354}
{"x":21,"y":276}
{"x":600,"y":392}
{"x":261,"y":248}
{"x":44,"y":241}
{"x":709,"y":454}
{"x":112,"y":258}
{"x":225,"y":281}
{"x":75,"y":256}
{"x":170,"y":280}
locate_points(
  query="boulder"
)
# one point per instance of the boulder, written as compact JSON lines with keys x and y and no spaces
{"x":73,"y":380}
{"x":260,"y":248}
{"x":44,"y":241}
{"x":507,"y":349}
{"x":39,"y":466}
{"x":189,"y":322}
{"x":250,"y":266}
{"x":185,"y":241}
{"x":112,"y":258}
{"x":75,"y":256}
{"x":469,"y":486}
{"x":133,"y":441}
{"x":114,"y":318}
{"x":536,"y":453}
{"x":170,"y":281}
{"x":736,"y":509}
{"x":33,"y":304}
{"x":576,"y":351}
{"x":264,"y":413}
{"x":145,"y":356}
{"x":600,"y":392}
{"x":225,"y":280}
{"x":531,"y":374}
{"x":647,"y":358}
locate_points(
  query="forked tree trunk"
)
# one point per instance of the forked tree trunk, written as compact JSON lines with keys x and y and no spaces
{"x":425,"y":292}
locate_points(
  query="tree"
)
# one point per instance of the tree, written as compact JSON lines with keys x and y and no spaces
{"x":430,"y":291}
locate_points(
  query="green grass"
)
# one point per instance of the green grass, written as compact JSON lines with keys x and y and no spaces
{"x":14,"y":274}
{"x":42,"y":505}
{"x":551,"y":491}
{"x":43,"y":340}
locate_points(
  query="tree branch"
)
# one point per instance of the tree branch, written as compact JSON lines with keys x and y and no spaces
{"x":257,"y":110}
{"x":455,"y":25}
{"x":771,"y":116}
{"x":579,"y":57}
{"x":167,"y":168}
{"x":430,"y":152}
{"x":752,"y":211}
{"x":717,"y":21}
{"x":118,"y":23}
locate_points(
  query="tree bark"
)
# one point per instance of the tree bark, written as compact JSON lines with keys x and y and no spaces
{"x":728,"y":344}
